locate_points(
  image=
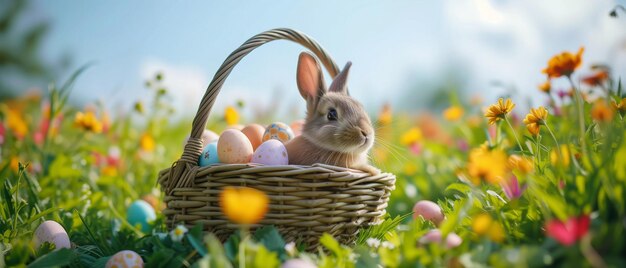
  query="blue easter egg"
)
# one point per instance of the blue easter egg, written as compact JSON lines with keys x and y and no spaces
{"x":209,"y":155}
{"x":141,"y":213}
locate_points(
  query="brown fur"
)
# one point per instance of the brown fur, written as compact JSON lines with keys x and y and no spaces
{"x":344,"y":142}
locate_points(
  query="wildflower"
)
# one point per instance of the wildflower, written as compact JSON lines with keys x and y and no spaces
{"x":545,"y":87}
{"x":16,"y":123}
{"x":619,"y":107}
{"x":564,"y":93}
{"x":244,"y":205}
{"x":2,"y":130}
{"x":570,"y":231}
{"x":484,"y":225}
{"x":564,"y":64}
{"x":412,"y":136}
{"x":147,"y":142}
{"x":373,"y":242}
{"x":88,"y":121}
{"x":601,"y":112}
{"x":597,"y":78}
{"x":14,"y":163}
{"x":512,"y":189}
{"x":535,"y":119}
{"x":554,"y":156}
{"x":178,"y":233}
{"x":290,"y":248}
{"x":453,"y":113}
{"x":231,"y":115}
{"x":488,"y":165}
{"x":385,"y":116}
{"x":521,"y":163}
{"x":499,"y":110}
{"x":109,"y":171}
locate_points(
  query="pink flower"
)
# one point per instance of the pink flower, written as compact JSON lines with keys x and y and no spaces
{"x":462,"y":145}
{"x":512,"y":188}
{"x":2,"y":131}
{"x":416,"y":148}
{"x":570,"y":231}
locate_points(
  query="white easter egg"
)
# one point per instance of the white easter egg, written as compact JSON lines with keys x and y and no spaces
{"x":53,"y":233}
{"x":278,"y":131}
{"x":233,"y":147}
{"x":209,"y":155}
{"x":271,"y":153}
{"x":125,"y":258}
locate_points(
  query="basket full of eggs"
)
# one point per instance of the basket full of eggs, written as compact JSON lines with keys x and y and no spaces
{"x":317,"y":182}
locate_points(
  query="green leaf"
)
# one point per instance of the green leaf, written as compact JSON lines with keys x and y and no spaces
{"x":59,"y":257}
{"x":194,"y":237}
{"x":270,"y":238}
{"x":231,"y":247}
{"x":265,"y":258}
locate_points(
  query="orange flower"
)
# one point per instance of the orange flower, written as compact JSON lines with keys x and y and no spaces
{"x":488,"y":165}
{"x":601,"y":112}
{"x":499,"y":110}
{"x":16,"y":123}
{"x":596,"y":79}
{"x":244,"y":205}
{"x":564,"y":64}
{"x":453,"y":113}
{"x":147,"y":142}
{"x":545,"y":86}
{"x":521,"y":163}
{"x":535,"y":119}
{"x":88,"y":121}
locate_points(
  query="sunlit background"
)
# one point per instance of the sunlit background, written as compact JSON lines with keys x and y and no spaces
{"x":408,"y":53}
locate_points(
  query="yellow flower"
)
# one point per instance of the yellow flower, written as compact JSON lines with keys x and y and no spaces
{"x":231,"y":115}
{"x":619,"y":107}
{"x":16,"y":123}
{"x":385,"y":116}
{"x":521,"y":163}
{"x":453,"y":113}
{"x":243,"y":205}
{"x":545,"y":87}
{"x":147,"y":142}
{"x":601,"y":112}
{"x":484,"y":225}
{"x":488,"y":165}
{"x":563,"y":64}
{"x":109,"y":171}
{"x":412,"y":136}
{"x":499,"y":110}
{"x":554,"y":156}
{"x":88,"y":121}
{"x":14,"y":164}
{"x":535,"y":119}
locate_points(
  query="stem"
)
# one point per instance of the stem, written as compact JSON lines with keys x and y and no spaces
{"x":242,"y":246}
{"x":514,"y":134}
{"x":558,"y":147}
{"x":581,"y":117}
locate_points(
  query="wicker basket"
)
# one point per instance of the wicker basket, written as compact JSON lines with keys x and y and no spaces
{"x":305,"y":201}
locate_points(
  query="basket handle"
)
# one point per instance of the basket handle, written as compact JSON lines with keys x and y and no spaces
{"x":182,"y":175}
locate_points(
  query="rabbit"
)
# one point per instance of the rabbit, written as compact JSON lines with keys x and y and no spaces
{"x":337,"y":130}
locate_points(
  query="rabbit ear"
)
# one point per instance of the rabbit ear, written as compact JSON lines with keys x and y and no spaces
{"x":340,"y":83}
{"x":309,"y":78}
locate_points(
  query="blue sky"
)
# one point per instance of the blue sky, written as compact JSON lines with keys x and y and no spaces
{"x":398,"y":48}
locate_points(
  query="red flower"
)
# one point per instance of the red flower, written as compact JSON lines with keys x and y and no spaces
{"x":567,"y":233}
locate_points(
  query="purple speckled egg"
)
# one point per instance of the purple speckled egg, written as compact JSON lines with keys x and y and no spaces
{"x":272,"y":153}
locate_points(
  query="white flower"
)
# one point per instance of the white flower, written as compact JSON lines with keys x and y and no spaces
{"x":373,"y":242}
{"x":178,"y":233}
{"x":291,"y":248}
{"x":387,"y":244}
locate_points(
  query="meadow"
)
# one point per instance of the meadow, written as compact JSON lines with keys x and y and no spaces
{"x":517,"y":188}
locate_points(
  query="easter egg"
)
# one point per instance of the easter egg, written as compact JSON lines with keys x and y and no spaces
{"x":271,"y":153}
{"x":233,"y":147}
{"x":429,"y":210}
{"x":278,"y":131}
{"x":254,"y":132}
{"x":154,"y":202}
{"x":141,"y":213}
{"x":207,"y":137}
{"x":125,"y":258}
{"x":434,"y":236}
{"x":209,"y":155}
{"x":298,"y":263}
{"x":297,"y":127}
{"x":53,"y":233}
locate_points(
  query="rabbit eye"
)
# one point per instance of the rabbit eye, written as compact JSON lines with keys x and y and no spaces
{"x":332,"y":115}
